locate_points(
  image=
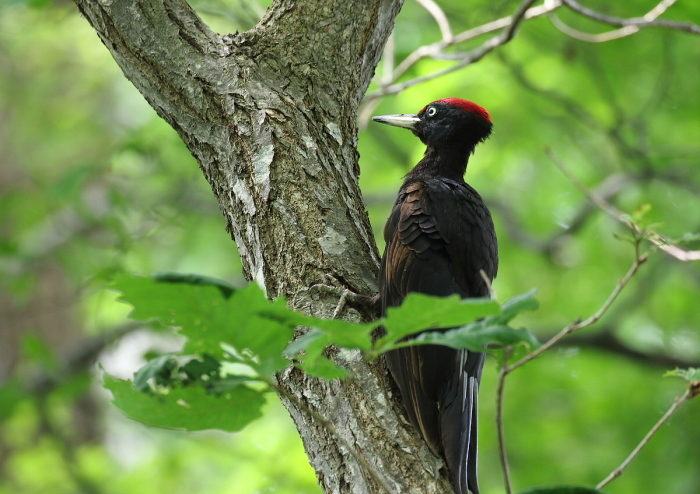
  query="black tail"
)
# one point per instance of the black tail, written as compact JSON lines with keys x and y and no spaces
{"x":439,"y":387}
{"x":458,"y":422}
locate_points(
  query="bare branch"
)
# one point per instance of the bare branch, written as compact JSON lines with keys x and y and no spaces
{"x":650,"y":235}
{"x":593,"y":38}
{"x":436,"y":50}
{"x":579,"y":324}
{"x":618,"y":471}
{"x":610,"y":35}
{"x":607,"y":341}
{"x":499,"y":422}
{"x":628,"y":26}
{"x":440,"y":18}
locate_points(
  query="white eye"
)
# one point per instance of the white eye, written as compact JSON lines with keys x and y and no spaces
{"x":431,"y":111}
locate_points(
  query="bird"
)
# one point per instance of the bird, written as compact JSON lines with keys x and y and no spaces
{"x":440,"y":240}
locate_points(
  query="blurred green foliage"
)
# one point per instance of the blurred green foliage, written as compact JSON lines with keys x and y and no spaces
{"x":93,"y":184}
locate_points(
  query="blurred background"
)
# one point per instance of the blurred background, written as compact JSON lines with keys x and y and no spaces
{"x":93,"y":183}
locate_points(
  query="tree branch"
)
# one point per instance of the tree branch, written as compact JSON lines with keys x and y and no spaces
{"x":436,"y":50}
{"x":581,"y":324}
{"x":629,"y":26}
{"x":499,"y":422}
{"x":618,"y":471}
{"x":607,"y":341}
{"x":650,"y":235}
{"x":440,"y":18}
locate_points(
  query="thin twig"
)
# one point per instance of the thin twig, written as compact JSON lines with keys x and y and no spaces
{"x":435,"y":50}
{"x":629,"y":26}
{"x":328,"y":425}
{"x":499,"y":422}
{"x":578,"y":324}
{"x":593,"y":38}
{"x":648,"y":20}
{"x":440,"y":18}
{"x":650,"y":235}
{"x":610,"y":35}
{"x":618,"y":471}
{"x":569,"y":329}
{"x":489,"y":283}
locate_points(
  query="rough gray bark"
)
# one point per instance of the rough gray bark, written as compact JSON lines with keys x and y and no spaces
{"x":270,"y":115}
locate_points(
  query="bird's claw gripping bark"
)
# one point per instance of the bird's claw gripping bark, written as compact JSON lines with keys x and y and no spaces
{"x":341,"y":293}
{"x":344,"y":295}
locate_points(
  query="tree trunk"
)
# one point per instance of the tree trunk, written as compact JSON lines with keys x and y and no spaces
{"x":270,"y":115}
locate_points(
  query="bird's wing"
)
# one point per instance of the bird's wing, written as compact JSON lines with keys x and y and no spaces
{"x":439,"y":236}
{"x":415,"y":259}
{"x":465,"y":223}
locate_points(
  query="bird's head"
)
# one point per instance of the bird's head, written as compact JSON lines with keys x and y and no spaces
{"x":446,"y":122}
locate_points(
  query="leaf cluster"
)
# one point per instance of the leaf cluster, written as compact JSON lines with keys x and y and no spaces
{"x":236,"y":340}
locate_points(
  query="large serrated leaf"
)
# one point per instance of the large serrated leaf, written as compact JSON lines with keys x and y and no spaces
{"x":315,"y":363}
{"x":423,"y":312}
{"x":342,"y":333}
{"x":173,"y":304}
{"x":196,"y":279}
{"x":519,"y":303}
{"x":476,"y":336}
{"x":189,"y":408}
{"x":492,"y":326}
{"x":324,"y":368}
{"x":209,"y":316}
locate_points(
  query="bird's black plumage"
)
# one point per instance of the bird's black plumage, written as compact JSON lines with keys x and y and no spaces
{"x":439,"y":237}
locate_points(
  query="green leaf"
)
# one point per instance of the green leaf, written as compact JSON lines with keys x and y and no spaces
{"x":476,"y":336}
{"x":315,"y":363}
{"x":562,"y":490}
{"x":341,"y":333}
{"x":208,"y":317}
{"x":173,"y":304}
{"x":517,"y":304}
{"x":691,"y":374}
{"x":324,"y":368}
{"x":423,"y":312}
{"x":470,"y":334}
{"x":247,"y":331}
{"x":206,"y":369}
{"x":196,"y":279}
{"x":189,"y":408}
{"x":156,"y":372}
{"x":227,"y":383}
{"x":302,"y":343}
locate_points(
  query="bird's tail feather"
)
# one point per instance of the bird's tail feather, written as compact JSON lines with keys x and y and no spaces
{"x":458,"y":422}
{"x":439,"y":387}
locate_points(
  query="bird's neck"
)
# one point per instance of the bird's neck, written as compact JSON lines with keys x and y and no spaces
{"x":449,"y":162}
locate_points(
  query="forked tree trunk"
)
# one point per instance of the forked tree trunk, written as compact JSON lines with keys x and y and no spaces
{"x":270,"y":115}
